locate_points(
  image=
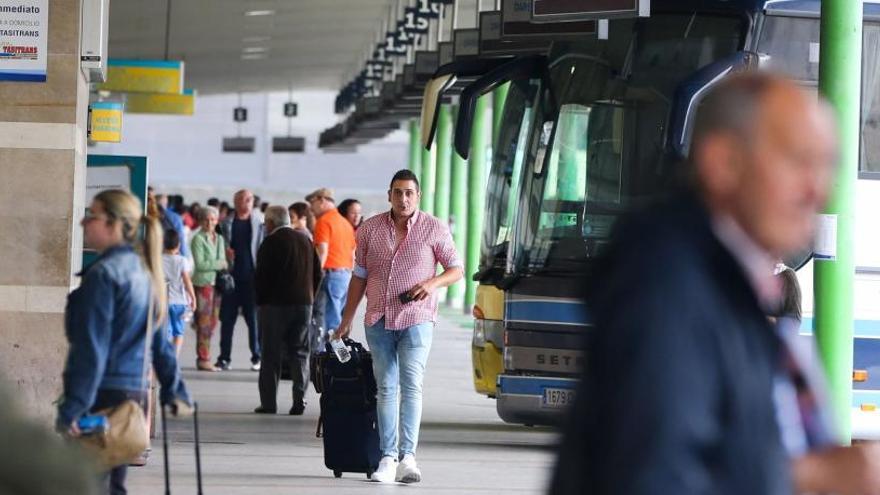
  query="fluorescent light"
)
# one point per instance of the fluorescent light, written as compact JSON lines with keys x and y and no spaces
{"x":255,"y":49}
{"x":253,"y":13}
{"x":253,"y":56}
{"x":255,"y":39}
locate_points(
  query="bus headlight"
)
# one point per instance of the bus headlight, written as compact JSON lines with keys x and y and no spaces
{"x":488,"y":331}
{"x":479,"y":333}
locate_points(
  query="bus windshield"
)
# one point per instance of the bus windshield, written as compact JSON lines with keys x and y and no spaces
{"x":600,"y":148}
{"x":506,"y":170}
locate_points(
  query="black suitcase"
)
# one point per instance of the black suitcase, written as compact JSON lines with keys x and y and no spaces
{"x":348,"y":420}
{"x":197,"y":449}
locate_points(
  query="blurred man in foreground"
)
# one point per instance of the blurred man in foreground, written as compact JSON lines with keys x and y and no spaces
{"x":682,"y":366}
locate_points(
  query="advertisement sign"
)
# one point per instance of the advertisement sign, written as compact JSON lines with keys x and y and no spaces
{"x":103,"y":172}
{"x":161,"y":103}
{"x":144,"y":76}
{"x":24,"y":33}
{"x":105,"y":121}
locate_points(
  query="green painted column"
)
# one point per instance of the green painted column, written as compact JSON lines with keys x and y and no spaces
{"x":415,"y":148}
{"x":840,"y":61}
{"x":458,"y":217}
{"x":428,"y":179}
{"x":476,"y":196}
{"x":499,"y":96}
{"x":443,"y":167}
{"x":444,"y":163}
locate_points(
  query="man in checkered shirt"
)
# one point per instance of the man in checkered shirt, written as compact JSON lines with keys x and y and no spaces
{"x":395,"y":266}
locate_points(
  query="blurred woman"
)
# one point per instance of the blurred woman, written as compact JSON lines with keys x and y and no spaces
{"x":106,"y":319}
{"x":301,"y":218}
{"x":209,"y":257}
{"x":351,"y":210}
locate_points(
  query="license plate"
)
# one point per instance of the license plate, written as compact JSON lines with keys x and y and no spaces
{"x":557,"y":398}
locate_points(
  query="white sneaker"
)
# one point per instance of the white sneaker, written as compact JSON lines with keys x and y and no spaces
{"x":255,"y":366}
{"x":386,"y":471}
{"x":408,"y":471}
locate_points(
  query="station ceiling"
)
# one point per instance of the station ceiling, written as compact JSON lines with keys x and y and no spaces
{"x":250,"y":45}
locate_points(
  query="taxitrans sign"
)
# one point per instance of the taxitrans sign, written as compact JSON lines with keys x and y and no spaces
{"x":24,"y":31}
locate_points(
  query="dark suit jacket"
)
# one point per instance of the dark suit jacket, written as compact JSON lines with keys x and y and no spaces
{"x":676,"y":397}
{"x":287,"y":272}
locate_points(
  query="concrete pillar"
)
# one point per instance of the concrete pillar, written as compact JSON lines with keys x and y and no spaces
{"x":43,"y":153}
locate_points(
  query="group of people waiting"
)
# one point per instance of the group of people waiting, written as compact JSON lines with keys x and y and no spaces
{"x":223,"y":242}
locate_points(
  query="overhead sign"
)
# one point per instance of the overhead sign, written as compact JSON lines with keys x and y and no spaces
{"x":516,"y":21}
{"x":105,"y":122}
{"x":161,"y":103}
{"x":466,"y":42}
{"x":288,"y":144}
{"x":581,"y":10}
{"x":492,"y":42}
{"x":447,"y":54}
{"x":239,"y":114}
{"x":24,"y":34}
{"x":144,"y":76}
{"x":239,"y":144}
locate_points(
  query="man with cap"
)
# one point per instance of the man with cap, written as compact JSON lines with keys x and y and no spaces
{"x":335,"y":243}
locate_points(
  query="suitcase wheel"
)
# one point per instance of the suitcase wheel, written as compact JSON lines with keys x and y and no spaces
{"x":337,"y":474}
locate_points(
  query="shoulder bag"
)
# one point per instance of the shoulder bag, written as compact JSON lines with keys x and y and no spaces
{"x":126,"y":436}
{"x":224,"y":283}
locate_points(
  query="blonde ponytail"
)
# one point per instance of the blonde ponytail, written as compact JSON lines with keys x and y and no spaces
{"x":151,"y":251}
{"x":121,"y":206}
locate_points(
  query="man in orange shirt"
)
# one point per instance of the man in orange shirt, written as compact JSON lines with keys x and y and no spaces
{"x":335,"y":243}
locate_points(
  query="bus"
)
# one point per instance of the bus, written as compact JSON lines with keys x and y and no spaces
{"x":609,"y":124}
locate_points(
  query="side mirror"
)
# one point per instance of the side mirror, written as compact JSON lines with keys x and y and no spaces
{"x":525,"y":67}
{"x":442,"y":81}
{"x":690,"y":93}
{"x":430,"y":103}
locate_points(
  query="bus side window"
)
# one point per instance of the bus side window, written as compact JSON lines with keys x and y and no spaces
{"x":792,"y":44}
{"x":869,"y":157}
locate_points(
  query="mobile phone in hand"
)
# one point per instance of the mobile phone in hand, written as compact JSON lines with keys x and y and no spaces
{"x":93,"y":425}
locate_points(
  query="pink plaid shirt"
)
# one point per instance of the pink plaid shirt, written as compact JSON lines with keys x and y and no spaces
{"x":390,"y":273}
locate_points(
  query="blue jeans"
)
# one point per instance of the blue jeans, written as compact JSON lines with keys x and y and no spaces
{"x":335,"y":287}
{"x":399,"y":359}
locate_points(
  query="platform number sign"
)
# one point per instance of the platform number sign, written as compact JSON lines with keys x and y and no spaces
{"x":290,"y":109}
{"x":239,"y":114}
{"x":397,"y":41}
{"x":415,"y":23}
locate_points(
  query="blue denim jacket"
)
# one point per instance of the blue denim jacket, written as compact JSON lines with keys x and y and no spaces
{"x":105,"y":323}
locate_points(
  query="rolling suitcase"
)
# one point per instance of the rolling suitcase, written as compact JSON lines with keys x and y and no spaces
{"x":197,"y":450}
{"x":348,"y":422}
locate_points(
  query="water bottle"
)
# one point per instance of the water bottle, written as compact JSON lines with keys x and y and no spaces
{"x":339,"y":348}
